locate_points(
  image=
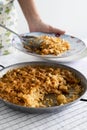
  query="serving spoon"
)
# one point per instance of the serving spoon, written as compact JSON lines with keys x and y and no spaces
{"x":30,"y":41}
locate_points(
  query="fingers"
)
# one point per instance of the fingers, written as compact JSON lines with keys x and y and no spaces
{"x":55,"y":30}
{"x":40,"y":26}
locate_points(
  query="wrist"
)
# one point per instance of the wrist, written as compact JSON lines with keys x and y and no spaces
{"x":34,"y":24}
{"x":33,"y":19}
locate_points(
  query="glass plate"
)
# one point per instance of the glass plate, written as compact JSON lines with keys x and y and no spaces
{"x":77,"y":46}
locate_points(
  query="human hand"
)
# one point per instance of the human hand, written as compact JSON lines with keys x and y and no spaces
{"x":34,"y":20}
{"x":40,"y":26}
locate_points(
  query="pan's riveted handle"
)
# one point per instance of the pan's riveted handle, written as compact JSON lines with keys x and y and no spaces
{"x":85,"y":100}
{"x":1,"y":67}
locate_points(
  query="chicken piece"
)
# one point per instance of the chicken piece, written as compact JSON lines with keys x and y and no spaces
{"x":61,"y":99}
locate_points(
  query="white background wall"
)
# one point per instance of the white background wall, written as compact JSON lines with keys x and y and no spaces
{"x":69,"y":15}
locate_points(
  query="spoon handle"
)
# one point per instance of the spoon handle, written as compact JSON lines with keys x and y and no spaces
{"x":9,"y":30}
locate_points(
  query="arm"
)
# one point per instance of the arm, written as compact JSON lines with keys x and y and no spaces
{"x":33,"y":19}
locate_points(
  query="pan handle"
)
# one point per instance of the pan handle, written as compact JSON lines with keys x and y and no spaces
{"x":85,"y":100}
{"x":1,"y":67}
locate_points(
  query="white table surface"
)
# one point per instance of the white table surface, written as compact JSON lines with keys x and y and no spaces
{"x":73,"y":118}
